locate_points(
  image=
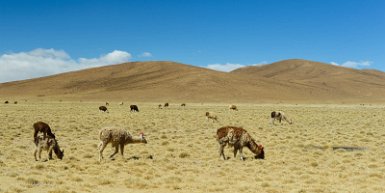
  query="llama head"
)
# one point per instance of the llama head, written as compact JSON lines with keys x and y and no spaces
{"x":142,"y":137}
{"x":260,"y":153}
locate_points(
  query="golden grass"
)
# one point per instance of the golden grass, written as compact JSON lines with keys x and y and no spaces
{"x":184,"y":152}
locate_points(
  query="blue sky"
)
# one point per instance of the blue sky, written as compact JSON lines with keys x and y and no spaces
{"x":218,"y":33}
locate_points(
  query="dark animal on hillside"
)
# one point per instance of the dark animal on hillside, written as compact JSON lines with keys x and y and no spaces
{"x":15,"y":102}
{"x":43,"y":128}
{"x":134,"y":108}
{"x":280,"y":116}
{"x":159,"y":106}
{"x":183,"y":105}
{"x":238,"y":138}
{"x":212,"y":116}
{"x":166,"y":105}
{"x":48,"y":144}
{"x":233,"y":107}
{"x":107,"y":103}
{"x":103,"y":108}
{"x":6,"y":102}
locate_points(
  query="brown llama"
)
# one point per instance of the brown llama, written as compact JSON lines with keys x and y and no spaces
{"x":43,"y":128}
{"x":233,"y":107}
{"x":118,"y":137}
{"x":103,"y":108}
{"x":238,"y":138}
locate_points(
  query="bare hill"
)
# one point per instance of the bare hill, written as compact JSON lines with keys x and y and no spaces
{"x":285,"y":81}
{"x":323,"y":82}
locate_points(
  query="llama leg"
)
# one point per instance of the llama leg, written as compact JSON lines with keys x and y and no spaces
{"x":49,"y":153}
{"x":40,"y":149}
{"x":272,"y":121}
{"x":102,"y":146}
{"x":241,"y":153}
{"x":221,"y":151}
{"x":116,"y":151}
{"x":34,"y":154}
{"x":122,"y":150}
{"x":235,"y":151}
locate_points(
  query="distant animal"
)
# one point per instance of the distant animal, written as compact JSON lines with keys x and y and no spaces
{"x":134,"y":108}
{"x":103,"y":108}
{"x":121,"y":103}
{"x":47,"y":144}
{"x":165,"y":105}
{"x":118,"y":137}
{"x":43,"y":128}
{"x":183,"y":105}
{"x":6,"y":102}
{"x":107,"y":103}
{"x":238,"y":138}
{"x":212,"y":116}
{"x":160,"y":106}
{"x":279,"y":115}
{"x":233,"y":107}
{"x":15,"y":102}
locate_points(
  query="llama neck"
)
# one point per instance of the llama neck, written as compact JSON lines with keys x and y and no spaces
{"x":135,"y":140}
{"x":253,"y":147}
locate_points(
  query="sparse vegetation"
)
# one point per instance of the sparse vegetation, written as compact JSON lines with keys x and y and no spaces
{"x":299,"y":157}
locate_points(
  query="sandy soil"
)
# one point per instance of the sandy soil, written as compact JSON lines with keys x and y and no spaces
{"x":302,"y":157}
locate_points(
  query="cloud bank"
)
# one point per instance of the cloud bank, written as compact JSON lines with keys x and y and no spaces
{"x":227,"y":67}
{"x":353,"y":64}
{"x":43,"y":62}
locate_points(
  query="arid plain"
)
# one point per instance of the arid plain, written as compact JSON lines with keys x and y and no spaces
{"x":302,"y":157}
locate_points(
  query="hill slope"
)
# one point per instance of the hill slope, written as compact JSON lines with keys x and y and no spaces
{"x":322,"y":81}
{"x":286,"y":81}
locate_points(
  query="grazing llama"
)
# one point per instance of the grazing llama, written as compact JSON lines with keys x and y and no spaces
{"x":103,"y":108}
{"x":238,"y":138}
{"x":165,"y":105}
{"x":47,"y":144}
{"x":43,"y":128}
{"x":212,"y":116}
{"x":233,"y":107}
{"x":134,"y":108}
{"x":118,"y":138}
{"x":183,"y":105}
{"x":279,"y":115}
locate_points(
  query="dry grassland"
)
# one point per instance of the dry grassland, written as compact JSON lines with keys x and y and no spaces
{"x":299,"y":157}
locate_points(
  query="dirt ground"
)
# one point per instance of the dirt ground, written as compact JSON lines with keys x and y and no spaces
{"x":313,"y":154}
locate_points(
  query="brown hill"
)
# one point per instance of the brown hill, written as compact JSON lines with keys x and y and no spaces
{"x":323,"y":82}
{"x":285,"y":81}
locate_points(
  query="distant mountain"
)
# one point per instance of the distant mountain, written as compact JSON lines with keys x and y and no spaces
{"x":157,"y":81}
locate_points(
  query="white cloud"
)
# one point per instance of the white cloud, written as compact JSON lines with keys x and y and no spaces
{"x":43,"y":62}
{"x":230,"y":66}
{"x":353,"y":64}
{"x":145,"y":54}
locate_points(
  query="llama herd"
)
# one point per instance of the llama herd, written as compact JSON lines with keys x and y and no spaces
{"x":231,"y":136}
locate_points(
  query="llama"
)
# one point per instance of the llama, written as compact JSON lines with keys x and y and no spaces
{"x":121,"y":103}
{"x":134,"y":108}
{"x":233,"y":107}
{"x":160,"y":106}
{"x":6,"y":102}
{"x":47,"y":144}
{"x":15,"y":102}
{"x":183,"y":105}
{"x":44,"y":128}
{"x":279,"y":115}
{"x":212,"y":116}
{"x":107,"y":104}
{"x":118,"y":137}
{"x":166,"y":105}
{"x":103,"y":108}
{"x":238,"y":138}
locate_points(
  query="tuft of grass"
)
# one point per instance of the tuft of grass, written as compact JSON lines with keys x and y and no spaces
{"x":184,"y":155}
